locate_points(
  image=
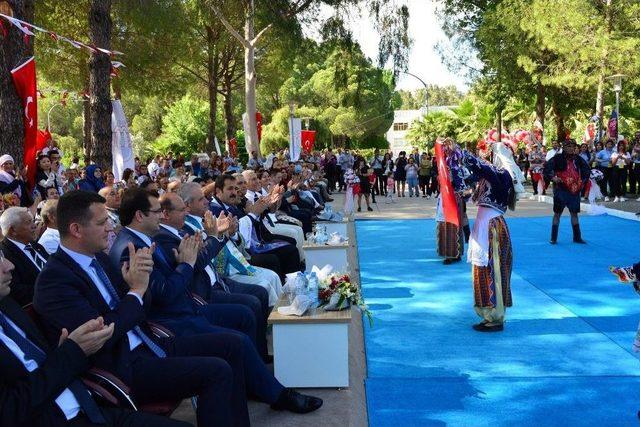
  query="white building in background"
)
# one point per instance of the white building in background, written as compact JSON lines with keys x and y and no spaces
{"x":402,"y":120}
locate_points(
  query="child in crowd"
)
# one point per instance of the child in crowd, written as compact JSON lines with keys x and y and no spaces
{"x":372,"y":183}
{"x":390,"y":186}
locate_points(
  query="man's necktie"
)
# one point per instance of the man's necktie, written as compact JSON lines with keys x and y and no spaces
{"x":255,"y":197}
{"x":33,"y":352}
{"x":34,"y":255}
{"x":155,"y":348}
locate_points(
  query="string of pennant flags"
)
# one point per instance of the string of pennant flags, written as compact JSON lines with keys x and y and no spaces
{"x":63,"y":95}
{"x":28,"y":31}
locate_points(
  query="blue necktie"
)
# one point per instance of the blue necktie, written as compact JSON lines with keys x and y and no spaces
{"x":161,"y":256}
{"x":33,"y":352}
{"x":155,"y":348}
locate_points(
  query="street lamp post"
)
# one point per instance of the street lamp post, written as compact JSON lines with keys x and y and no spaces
{"x":426,"y":90}
{"x":617,"y":88}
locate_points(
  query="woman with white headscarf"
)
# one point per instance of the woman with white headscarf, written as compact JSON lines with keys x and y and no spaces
{"x":12,"y":182}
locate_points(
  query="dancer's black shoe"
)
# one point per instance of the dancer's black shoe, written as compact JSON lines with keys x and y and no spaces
{"x":577,"y":235}
{"x":486,"y":327}
{"x":448,"y":261}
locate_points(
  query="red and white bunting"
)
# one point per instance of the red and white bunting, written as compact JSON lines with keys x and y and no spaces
{"x":27,"y":28}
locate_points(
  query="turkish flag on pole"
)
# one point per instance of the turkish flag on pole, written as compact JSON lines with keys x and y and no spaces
{"x":233,"y":148}
{"x":308,"y":139}
{"x":449,"y":205}
{"x":259,"y":125}
{"x":24,"y":79}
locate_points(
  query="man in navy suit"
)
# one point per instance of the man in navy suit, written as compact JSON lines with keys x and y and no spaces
{"x":170,"y":306}
{"x":238,"y":311}
{"x":20,"y":247}
{"x":79,"y":283}
{"x":40,"y":385}
{"x":282,"y":258}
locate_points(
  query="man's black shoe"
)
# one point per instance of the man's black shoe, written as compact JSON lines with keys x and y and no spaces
{"x":448,"y":261}
{"x":553,"y":242}
{"x":485,"y":327}
{"x":579,"y":241}
{"x":291,"y":400}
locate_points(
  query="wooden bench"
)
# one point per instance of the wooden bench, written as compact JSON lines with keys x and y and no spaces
{"x":311,"y":350}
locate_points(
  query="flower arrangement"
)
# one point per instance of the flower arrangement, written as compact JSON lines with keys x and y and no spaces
{"x":338,"y":291}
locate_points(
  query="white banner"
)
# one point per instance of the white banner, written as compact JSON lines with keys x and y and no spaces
{"x":217,"y":144}
{"x":295,"y":138}
{"x":121,"y":148}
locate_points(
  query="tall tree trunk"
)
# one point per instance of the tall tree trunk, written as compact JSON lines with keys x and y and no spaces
{"x":559,"y":118}
{"x":228,"y":107}
{"x":86,"y":130}
{"x":213,"y":66}
{"x":251,"y":139}
{"x":99,"y":81}
{"x":540,"y":105}
{"x":603,"y":66}
{"x":12,"y":51}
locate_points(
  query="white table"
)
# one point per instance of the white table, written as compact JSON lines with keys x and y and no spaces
{"x":312,"y":350}
{"x":336,"y":227}
{"x":321,"y":255}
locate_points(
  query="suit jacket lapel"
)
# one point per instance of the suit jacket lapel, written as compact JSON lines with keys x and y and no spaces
{"x":18,"y":316}
{"x":87,"y":281}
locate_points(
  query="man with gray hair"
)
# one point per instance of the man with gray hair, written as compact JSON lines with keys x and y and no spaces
{"x":19,"y":247}
{"x":50,"y":239}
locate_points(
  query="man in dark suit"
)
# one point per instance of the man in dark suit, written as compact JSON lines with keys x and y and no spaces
{"x":20,"y":247}
{"x":79,"y":283}
{"x":170,"y":305}
{"x":227,"y":298}
{"x":174,"y":269}
{"x":283,"y":257}
{"x":40,"y":385}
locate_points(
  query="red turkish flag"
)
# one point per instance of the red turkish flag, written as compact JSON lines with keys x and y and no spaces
{"x":259,"y":125}
{"x":24,"y":79}
{"x":449,"y":205}
{"x":308,"y":139}
{"x":233,"y":147}
{"x":44,"y":136}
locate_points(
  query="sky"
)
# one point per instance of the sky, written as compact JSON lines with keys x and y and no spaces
{"x":424,"y":61}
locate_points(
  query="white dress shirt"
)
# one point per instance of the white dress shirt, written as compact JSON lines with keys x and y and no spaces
{"x":66,"y":401}
{"x":50,"y":239}
{"x":251,"y":196}
{"x":84,"y":262}
{"x":22,"y":246}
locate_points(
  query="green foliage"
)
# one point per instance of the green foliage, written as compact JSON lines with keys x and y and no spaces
{"x":437,"y":95}
{"x":424,"y":131}
{"x":184,"y":126}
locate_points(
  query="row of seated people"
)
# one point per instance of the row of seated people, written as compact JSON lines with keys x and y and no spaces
{"x":210,"y":280}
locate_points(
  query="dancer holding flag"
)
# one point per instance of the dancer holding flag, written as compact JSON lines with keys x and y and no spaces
{"x":490,"y":251}
{"x":450,"y":212}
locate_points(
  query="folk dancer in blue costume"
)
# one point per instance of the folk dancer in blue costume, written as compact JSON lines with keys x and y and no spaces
{"x":490,"y":251}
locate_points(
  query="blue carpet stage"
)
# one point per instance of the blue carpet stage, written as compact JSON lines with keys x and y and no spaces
{"x":563,"y":359}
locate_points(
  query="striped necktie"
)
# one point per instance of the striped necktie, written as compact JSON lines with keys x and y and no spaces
{"x":155,"y":348}
{"x":35,"y":256}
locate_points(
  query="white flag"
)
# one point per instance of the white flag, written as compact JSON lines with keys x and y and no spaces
{"x":295,"y":138}
{"x":121,"y":148}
